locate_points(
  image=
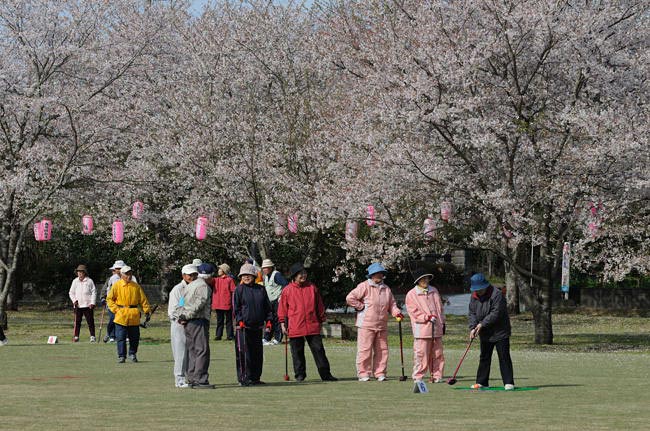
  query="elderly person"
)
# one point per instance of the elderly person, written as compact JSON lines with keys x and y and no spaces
{"x":301,"y":313}
{"x":194,"y":315}
{"x":177,"y":333}
{"x":110,"y":327}
{"x":83,"y":296}
{"x":489,"y":320}
{"x":223,"y":287}
{"x":373,"y":301}
{"x":125,"y":299}
{"x":274,"y":282}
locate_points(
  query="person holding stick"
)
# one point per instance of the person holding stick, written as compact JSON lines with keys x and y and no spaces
{"x":83,"y":295}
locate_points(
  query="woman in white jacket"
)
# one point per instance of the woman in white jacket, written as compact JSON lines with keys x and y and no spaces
{"x":83,"y":295}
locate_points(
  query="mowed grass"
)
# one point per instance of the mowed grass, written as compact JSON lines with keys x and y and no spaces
{"x":595,"y":378}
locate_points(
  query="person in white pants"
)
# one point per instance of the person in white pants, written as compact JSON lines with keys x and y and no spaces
{"x":177,"y":299}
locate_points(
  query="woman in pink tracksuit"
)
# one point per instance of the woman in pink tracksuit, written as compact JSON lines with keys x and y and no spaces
{"x":424,"y":306}
{"x":373,"y":301}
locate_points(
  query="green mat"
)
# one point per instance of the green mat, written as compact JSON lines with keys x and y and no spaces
{"x":497,"y":388}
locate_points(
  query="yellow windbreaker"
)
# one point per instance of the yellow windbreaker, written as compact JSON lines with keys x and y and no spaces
{"x":123,"y":300}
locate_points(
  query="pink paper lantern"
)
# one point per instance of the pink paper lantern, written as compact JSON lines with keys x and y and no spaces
{"x":279,"y":225}
{"x":292,"y":222}
{"x":201,"y":228}
{"x":137,"y":210}
{"x":370,"y":221}
{"x":87,"y":224}
{"x":46,"y":228}
{"x":38,"y":231}
{"x":445,"y":210}
{"x":118,"y":231}
{"x":593,"y":229}
{"x":429,"y":227}
{"x":351,"y":230}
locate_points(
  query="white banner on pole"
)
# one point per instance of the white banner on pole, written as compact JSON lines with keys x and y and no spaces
{"x":566,"y":266}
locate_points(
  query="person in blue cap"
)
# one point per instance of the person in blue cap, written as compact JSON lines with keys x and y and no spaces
{"x":489,"y":320}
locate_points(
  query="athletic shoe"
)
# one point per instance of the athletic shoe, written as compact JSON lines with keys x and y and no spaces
{"x":509,"y":387}
{"x":436,"y":380}
{"x":75,"y":339}
{"x":93,"y":339}
{"x":133,"y":358}
{"x":266,"y":343}
{"x":4,"y":342}
{"x":275,"y":342}
{"x":300,"y":379}
{"x":106,"y":338}
{"x":330,"y":378}
{"x":476,"y":386}
{"x":182,"y":385}
{"x":111,"y":340}
{"x":381,"y":378}
{"x":364,"y":379}
{"x":121,"y":360}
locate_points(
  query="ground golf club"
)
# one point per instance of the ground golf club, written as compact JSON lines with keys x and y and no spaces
{"x":452,"y":380}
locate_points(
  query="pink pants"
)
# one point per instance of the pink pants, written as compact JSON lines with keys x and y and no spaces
{"x":372,"y":352}
{"x":427,"y":355}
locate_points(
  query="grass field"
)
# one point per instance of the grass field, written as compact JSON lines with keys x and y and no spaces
{"x":594,"y":378}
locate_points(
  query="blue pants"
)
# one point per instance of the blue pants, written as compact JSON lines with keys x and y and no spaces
{"x":121,"y":332}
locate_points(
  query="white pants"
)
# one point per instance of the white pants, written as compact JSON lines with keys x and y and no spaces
{"x":179,"y":351}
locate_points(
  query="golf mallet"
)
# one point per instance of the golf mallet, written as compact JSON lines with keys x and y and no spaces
{"x":101,"y":323}
{"x":452,"y":380}
{"x":402,"y":378}
{"x":74,"y":308}
{"x":145,"y":324}
{"x":286,"y":358}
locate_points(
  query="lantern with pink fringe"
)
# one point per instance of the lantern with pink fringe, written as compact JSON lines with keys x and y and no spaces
{"x":38,"y":231}
{"x":118,"y":231}
{"x":370,"y":220}
{"x":429,"y":228}
{"x":292,"y":222}
{"x":137,"y":210}
{"x":445,"y":210}
{"x":351,"y":229}
{"x":87,"y":224}
{"x":279,"y":225}
{"x":201,"y":228}
{"x":46,"y":228}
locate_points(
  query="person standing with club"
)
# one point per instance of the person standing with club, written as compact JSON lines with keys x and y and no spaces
{"x":83,"y":295}
{"x":223,"y":287}
{"x":489,"y":320}
{"x":274,"y":282}
{"x":194,"y":315}
{"x":301,"y":313}
{"x":252,"y":310}
{"x":424,"y":306}
{"x":125,"y":299}
{"x":373,"y":301}
{"x":177,"y":333}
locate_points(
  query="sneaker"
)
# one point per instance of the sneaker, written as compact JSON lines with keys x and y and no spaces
{"x":300,"y":379}
{"x":133,"y":358}
{"x":381,"y":378}
{"x":93,"y":339}
{"x":121,"y":360}
{"x":111,"y":340}
{"x":182,"y":385}
{"x":476,"y":386}
{"x":275,"y":342}
{"x":364,"y":379}
{"x":106,"y":338}
{"x":266,"y":343}
{"x":509,"y":387}
{"x":436,"y":380}
{"x":4,"y":342}
{"x":75,"y":339}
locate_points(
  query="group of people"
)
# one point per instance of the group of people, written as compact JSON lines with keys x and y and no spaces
{"x":264,"y":307}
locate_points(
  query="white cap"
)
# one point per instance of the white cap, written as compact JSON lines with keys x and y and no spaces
{"x":197,"y":262}
{"x":125,"y":269}
{"x":189,"y":269}
{"x":118,"y":264}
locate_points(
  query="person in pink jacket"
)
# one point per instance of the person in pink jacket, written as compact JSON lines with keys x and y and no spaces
{"x":373,"y":301}
{"x":424,"y":306}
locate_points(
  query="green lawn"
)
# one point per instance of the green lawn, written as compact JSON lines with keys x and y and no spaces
{"x":593,"y":378}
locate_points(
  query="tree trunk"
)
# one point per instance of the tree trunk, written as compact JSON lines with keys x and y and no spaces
{"x":512,"y":289}
{"x":543,"y":324}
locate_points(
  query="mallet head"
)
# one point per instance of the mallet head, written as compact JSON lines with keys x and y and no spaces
{"x":286,"y":377}
{"x":451,"y":381}
{"x":402,"y":378}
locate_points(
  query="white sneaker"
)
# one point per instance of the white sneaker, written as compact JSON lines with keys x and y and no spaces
{"x":509,"y":387}
{"x":266,"y":343}
{"x":4,"y":342}
{"x":476,"y":386}
{"x":436,"y":380}
{"x":75,"y":339}
{"x":364,"y":379}
{"x":111,"y":340}
{"x":381,"y":378}
{"x":181,"y":383}
{"x":93,"y":339}
{"x":275,"y":342}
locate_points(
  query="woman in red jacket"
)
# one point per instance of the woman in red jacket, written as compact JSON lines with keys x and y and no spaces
{"x":301,"y":312}
{"x":223,"y":287}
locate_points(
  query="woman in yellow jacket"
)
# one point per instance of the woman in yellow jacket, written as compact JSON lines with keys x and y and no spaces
{"x":123,"y":299}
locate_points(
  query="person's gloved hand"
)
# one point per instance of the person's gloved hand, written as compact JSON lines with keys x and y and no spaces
{"x":92,"y":306}
{"x":399,"y":317}
{"x":268,"y":326}
{"x":431,"y":318}
{"x":76,"y":304}
{"x":241,"y":324}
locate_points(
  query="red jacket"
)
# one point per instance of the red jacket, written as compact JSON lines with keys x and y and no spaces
{"x":303,"y":307}
{"x":222,"y":289}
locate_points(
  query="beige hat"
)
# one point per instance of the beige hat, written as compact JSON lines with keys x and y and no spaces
{"x":197,"y":262}
{"x":267,"y":263}
{"x":125,"y":269}
{"x":190,"y":269}
{"x":225,"y":268}
{"x":248,"y":269}
{"x":81,"y":268}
